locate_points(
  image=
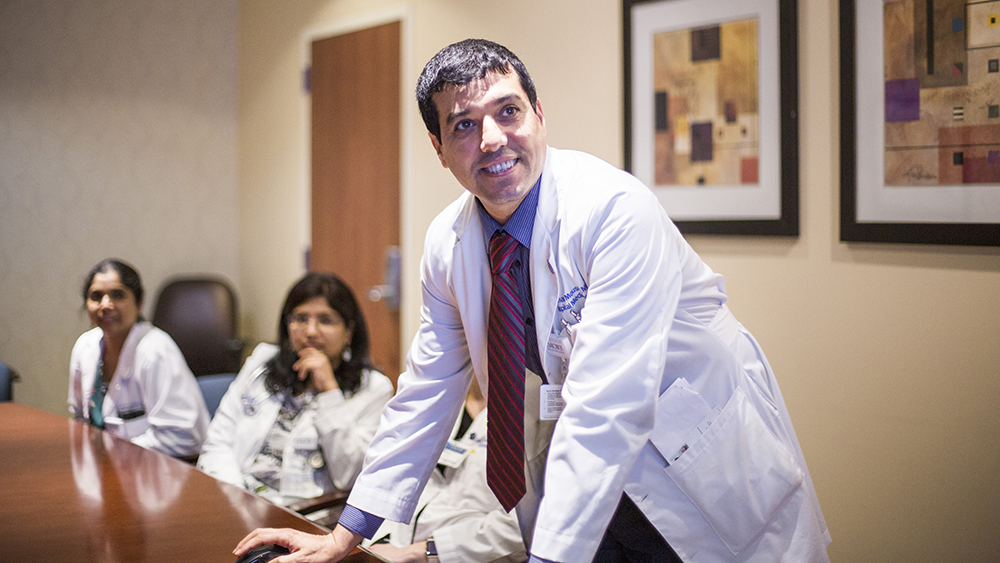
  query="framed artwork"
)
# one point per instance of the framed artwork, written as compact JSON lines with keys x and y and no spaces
{"x":920,"y":121}
{"x":711,"y":102}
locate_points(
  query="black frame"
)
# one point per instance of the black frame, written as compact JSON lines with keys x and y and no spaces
{"x":788,"y":224}
{"x":971,"y":234}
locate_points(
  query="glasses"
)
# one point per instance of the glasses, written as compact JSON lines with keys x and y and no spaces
{"x":324,"y":320}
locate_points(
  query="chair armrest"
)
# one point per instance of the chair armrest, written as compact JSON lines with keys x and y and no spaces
{"x":322,"y":502}
{"x":189,"y":459}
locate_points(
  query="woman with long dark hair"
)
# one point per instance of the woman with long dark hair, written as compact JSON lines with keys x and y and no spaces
{"x":127,"y":376}
{"x":298,"y":418}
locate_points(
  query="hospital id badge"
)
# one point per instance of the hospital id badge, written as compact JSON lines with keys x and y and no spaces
{"x":558,"y":346}
{"x":454,"y":453}
{"x":550,"y":401}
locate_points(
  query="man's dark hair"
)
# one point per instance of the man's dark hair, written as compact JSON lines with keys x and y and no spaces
{"x":461,"y":63}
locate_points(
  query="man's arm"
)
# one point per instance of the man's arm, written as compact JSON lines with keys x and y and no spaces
{"x":418,"y":420}
{"x":616,"y":365}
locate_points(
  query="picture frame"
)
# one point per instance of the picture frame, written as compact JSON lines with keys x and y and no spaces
{"x":905,"y":140}
{"x":739,"y":189}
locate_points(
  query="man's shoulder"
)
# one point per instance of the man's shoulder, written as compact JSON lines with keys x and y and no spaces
{"x":582,"y":179}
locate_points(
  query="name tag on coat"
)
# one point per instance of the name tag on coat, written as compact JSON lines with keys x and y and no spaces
{"x":454,"y":453}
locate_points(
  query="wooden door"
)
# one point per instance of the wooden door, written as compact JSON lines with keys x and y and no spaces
{"x":355,"y":171}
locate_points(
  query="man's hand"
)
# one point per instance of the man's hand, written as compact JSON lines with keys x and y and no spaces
{"x":304,"y":548}
{"x":413,"y":553}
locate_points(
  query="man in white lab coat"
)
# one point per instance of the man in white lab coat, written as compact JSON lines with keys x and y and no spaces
{"x":673,"y":442}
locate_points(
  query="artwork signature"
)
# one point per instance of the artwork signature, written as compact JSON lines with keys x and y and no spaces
{"x":916,"y":173}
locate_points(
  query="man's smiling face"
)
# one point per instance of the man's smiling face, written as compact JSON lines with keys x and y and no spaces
{"x":492,"y":140}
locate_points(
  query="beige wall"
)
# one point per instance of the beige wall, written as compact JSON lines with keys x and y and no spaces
{"x":117,"y":138}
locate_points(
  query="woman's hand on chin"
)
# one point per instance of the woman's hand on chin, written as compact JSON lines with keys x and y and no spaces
{"x":313,"y":362}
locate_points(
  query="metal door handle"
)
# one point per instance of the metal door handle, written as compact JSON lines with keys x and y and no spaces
{"x":390,"y":290}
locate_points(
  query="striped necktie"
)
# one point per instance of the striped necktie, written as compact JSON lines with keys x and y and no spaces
{"x":505,"y":428}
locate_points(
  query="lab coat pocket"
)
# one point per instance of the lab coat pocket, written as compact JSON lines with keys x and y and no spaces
{"x":126,"y":428}
{"x":116,"y":427}
{"x":737,"y":474}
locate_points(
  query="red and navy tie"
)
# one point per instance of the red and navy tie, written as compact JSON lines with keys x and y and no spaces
{"x":505,"y":428}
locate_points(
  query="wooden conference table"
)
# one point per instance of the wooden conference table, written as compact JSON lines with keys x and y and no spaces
{"x":69,"y":492}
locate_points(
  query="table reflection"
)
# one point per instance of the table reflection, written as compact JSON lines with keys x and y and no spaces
{"x":76,"y":493}
{"x":119,"y":485}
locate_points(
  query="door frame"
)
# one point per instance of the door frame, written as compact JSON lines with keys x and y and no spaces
{"x":409,"y":315}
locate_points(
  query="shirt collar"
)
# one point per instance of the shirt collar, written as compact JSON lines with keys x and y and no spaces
{"x":520,"y":223}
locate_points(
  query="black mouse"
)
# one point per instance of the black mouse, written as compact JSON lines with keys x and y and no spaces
{"x":262,"y":554}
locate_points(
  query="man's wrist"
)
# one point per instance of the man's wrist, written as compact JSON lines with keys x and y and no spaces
{"x":359,"y":521}
{"x":341,"y":533}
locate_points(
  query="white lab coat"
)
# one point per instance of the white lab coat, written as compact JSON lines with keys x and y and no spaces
{"x":152,"y":378}
{"x":458,"y":508}
{"x":651,"y":312}
{"x":341,"y":426}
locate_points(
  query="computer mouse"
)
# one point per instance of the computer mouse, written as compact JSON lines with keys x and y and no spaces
{"x":262,"y":554}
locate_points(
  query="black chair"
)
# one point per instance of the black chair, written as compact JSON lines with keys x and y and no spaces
{"x":200,"y":314}
{"x":7,"y":379}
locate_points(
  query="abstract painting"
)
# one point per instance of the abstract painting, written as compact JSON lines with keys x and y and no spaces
{"x":920,"y":121}
{"x":705,"y":82}
{"x":942,"y":92}
{"x":711,"y":111}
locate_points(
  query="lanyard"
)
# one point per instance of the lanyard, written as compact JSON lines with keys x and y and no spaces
{"x":98,"y":393}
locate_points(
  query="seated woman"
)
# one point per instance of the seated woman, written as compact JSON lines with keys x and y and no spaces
{"x":297,"y":420}
{"x":127,"y":376}
{"x":457,"y":517}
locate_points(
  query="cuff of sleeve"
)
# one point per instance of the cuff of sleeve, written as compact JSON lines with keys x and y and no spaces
{"x":330,"y":399}
{"x":360,"y":522}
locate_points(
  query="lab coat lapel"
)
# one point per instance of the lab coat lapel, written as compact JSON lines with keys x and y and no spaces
{"x":126,"y":362}
{"x":472,"y":284}
{"x":544,"y":238}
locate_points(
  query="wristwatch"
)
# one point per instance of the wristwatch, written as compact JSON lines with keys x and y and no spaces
{"x":431,"y":551}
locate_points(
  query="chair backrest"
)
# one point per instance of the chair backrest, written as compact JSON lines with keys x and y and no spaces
{"x":7,"y":378}
{"x":200,"y":314}
{"x":213,"y":387}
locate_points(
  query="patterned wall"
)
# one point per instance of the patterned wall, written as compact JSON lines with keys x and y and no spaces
{"x":118,"y":137}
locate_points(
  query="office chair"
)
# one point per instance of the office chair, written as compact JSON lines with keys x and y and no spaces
{"x":213,"y":387}
{"x":200,"y":314}
{"x":7,"y":379}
